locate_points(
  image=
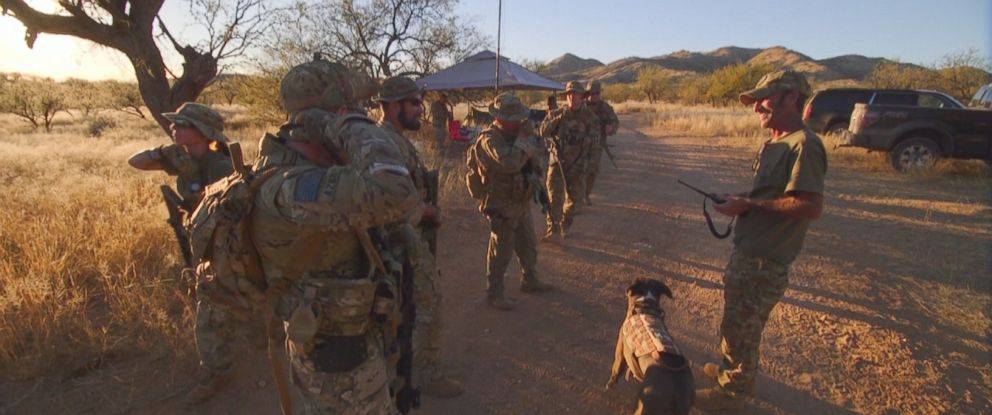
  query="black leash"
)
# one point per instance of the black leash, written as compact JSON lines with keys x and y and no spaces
{"x":709,"y":222}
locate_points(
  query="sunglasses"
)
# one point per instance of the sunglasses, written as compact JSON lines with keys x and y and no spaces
{"x":414,"y":101}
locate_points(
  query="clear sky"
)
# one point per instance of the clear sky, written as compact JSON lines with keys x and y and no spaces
{"x":914,"y":31}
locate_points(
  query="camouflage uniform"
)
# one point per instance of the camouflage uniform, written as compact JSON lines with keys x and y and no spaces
{"x":608,"y":125}
{"x":573,"y":133}
{"x":306,"y":224}
{"x":213,"y":327}
{"x":440,"y":115}
{"x":426,"y":277}
{"x":765,"y":244}
{"x":503,"y":159}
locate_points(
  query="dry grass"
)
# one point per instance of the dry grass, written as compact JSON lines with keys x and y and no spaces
{"x":88,"y":266}
{"x":82,"y":269}
{"x":738,"y":127}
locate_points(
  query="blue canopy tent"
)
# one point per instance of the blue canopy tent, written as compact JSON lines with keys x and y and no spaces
{"x":479,"y":72}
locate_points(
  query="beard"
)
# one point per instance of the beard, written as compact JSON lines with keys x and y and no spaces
{"x":409,"y":122}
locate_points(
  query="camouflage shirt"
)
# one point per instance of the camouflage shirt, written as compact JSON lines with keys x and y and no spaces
{"x":574,"y":131}
{"x":502,"y":161}
{"x":440,"y":115}
{"x":608,"y":120}
{"x":304,"y":203}
{"x":193,"y":175}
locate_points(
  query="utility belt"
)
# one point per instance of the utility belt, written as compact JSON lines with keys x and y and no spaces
{"x":333,"y":319}
{"x":741,"y":260}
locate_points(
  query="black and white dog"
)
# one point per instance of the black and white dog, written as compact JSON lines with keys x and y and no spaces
{"x":648,"y":353}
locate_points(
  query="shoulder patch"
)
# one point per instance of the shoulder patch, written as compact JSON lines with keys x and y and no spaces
{"x":308,"y":186}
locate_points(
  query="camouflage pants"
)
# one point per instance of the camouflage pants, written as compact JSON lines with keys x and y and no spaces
{"x":363,"y":390}
{"x":752,"y":287}
{"x":592,"y":168}
{"x":427,"y":297}
{"x":509,"y":235}
{"x":566,"y":192}
{"x":440,"y":135}
{"x":214,"y":331}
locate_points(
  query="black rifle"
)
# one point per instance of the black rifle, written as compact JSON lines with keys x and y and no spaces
{"x":432,"y":177}
{"x":540,"y":191}
{"x":174,"y":204}
{"x":706,"y":214}
{"x":609,"y":154}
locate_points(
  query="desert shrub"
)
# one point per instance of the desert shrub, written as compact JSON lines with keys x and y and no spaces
{"x":98,"y":125}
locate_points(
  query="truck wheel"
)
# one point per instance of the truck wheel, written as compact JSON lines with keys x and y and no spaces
{"x":915,"y":154}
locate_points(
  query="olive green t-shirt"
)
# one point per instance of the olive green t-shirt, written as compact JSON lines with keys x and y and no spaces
{"x":794,"y":163}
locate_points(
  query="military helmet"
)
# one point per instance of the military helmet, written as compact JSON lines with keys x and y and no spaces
{"x":323,"y":84}
{"x":594,"y":87}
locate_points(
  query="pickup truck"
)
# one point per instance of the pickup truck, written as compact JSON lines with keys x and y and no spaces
{"x":918,"y":130}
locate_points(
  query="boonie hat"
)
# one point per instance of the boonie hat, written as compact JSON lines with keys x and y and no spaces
{"x":594,"y":87}
{"x":398,"y":88}
{"x":508,"y":107}
{"x":204,"y":118}
{"x":574,"y":86}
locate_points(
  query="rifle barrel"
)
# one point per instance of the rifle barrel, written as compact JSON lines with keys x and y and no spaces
{"x":710,"y":196}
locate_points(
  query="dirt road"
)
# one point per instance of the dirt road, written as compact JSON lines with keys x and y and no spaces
{"x":888,"y":309}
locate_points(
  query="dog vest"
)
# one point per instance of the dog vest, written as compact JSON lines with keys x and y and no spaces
{"x":645,"y":333}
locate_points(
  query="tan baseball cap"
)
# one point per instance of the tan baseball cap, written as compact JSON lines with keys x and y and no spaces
{"x":398,"y":88}
{"x":204,"y":118}
{"x":773,"y":82}
{"x":508,"y":107}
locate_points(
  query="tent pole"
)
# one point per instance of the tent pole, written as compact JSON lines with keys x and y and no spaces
{"x":499,"y":28}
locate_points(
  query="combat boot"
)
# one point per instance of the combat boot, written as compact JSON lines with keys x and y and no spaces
{"x":535,"y":286}
{"x":716,"y":399}
{"x":442,"y":387}
{"x":208,"y":386}
{"x":498,"y":302}
{"x":712,"y":371}
{"x":549,"y":234}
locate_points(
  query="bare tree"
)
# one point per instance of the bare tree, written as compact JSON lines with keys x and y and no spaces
{"x":382,"y":37}
{"x":129,"y":26}
{"x":36,"y":101}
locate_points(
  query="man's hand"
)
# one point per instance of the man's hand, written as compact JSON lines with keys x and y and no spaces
{"x":734,"y":205}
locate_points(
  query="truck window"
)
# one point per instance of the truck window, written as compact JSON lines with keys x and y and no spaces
{"x":897,"y":98}
{"x":931,"y":101}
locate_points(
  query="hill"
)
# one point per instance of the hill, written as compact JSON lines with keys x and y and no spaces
{"x":847,"y":67}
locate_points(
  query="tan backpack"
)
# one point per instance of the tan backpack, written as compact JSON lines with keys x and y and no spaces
{"x":228,"y":268}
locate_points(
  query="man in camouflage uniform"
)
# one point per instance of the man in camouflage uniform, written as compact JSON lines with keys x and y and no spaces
{"x":440,"y":116}
{"x":402,"y":107}
{"x":337,"y":177}
{"x":787,"y":195}
{"x":508,"y":161}
{"x":608,"y":125}
{"x":198,"y":158}
{"x":569,"y":131}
